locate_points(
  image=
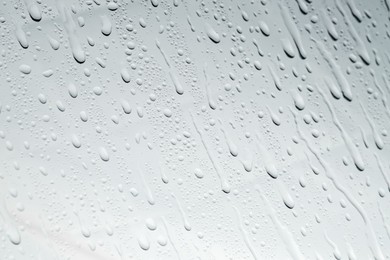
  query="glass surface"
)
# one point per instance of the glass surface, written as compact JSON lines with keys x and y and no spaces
{"x":192,"y":129}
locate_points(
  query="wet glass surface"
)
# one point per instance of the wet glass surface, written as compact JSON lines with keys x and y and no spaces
{"x":194,"y":129}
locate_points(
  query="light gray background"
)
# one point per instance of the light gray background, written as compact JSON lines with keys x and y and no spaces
{"x":155,"y":129}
